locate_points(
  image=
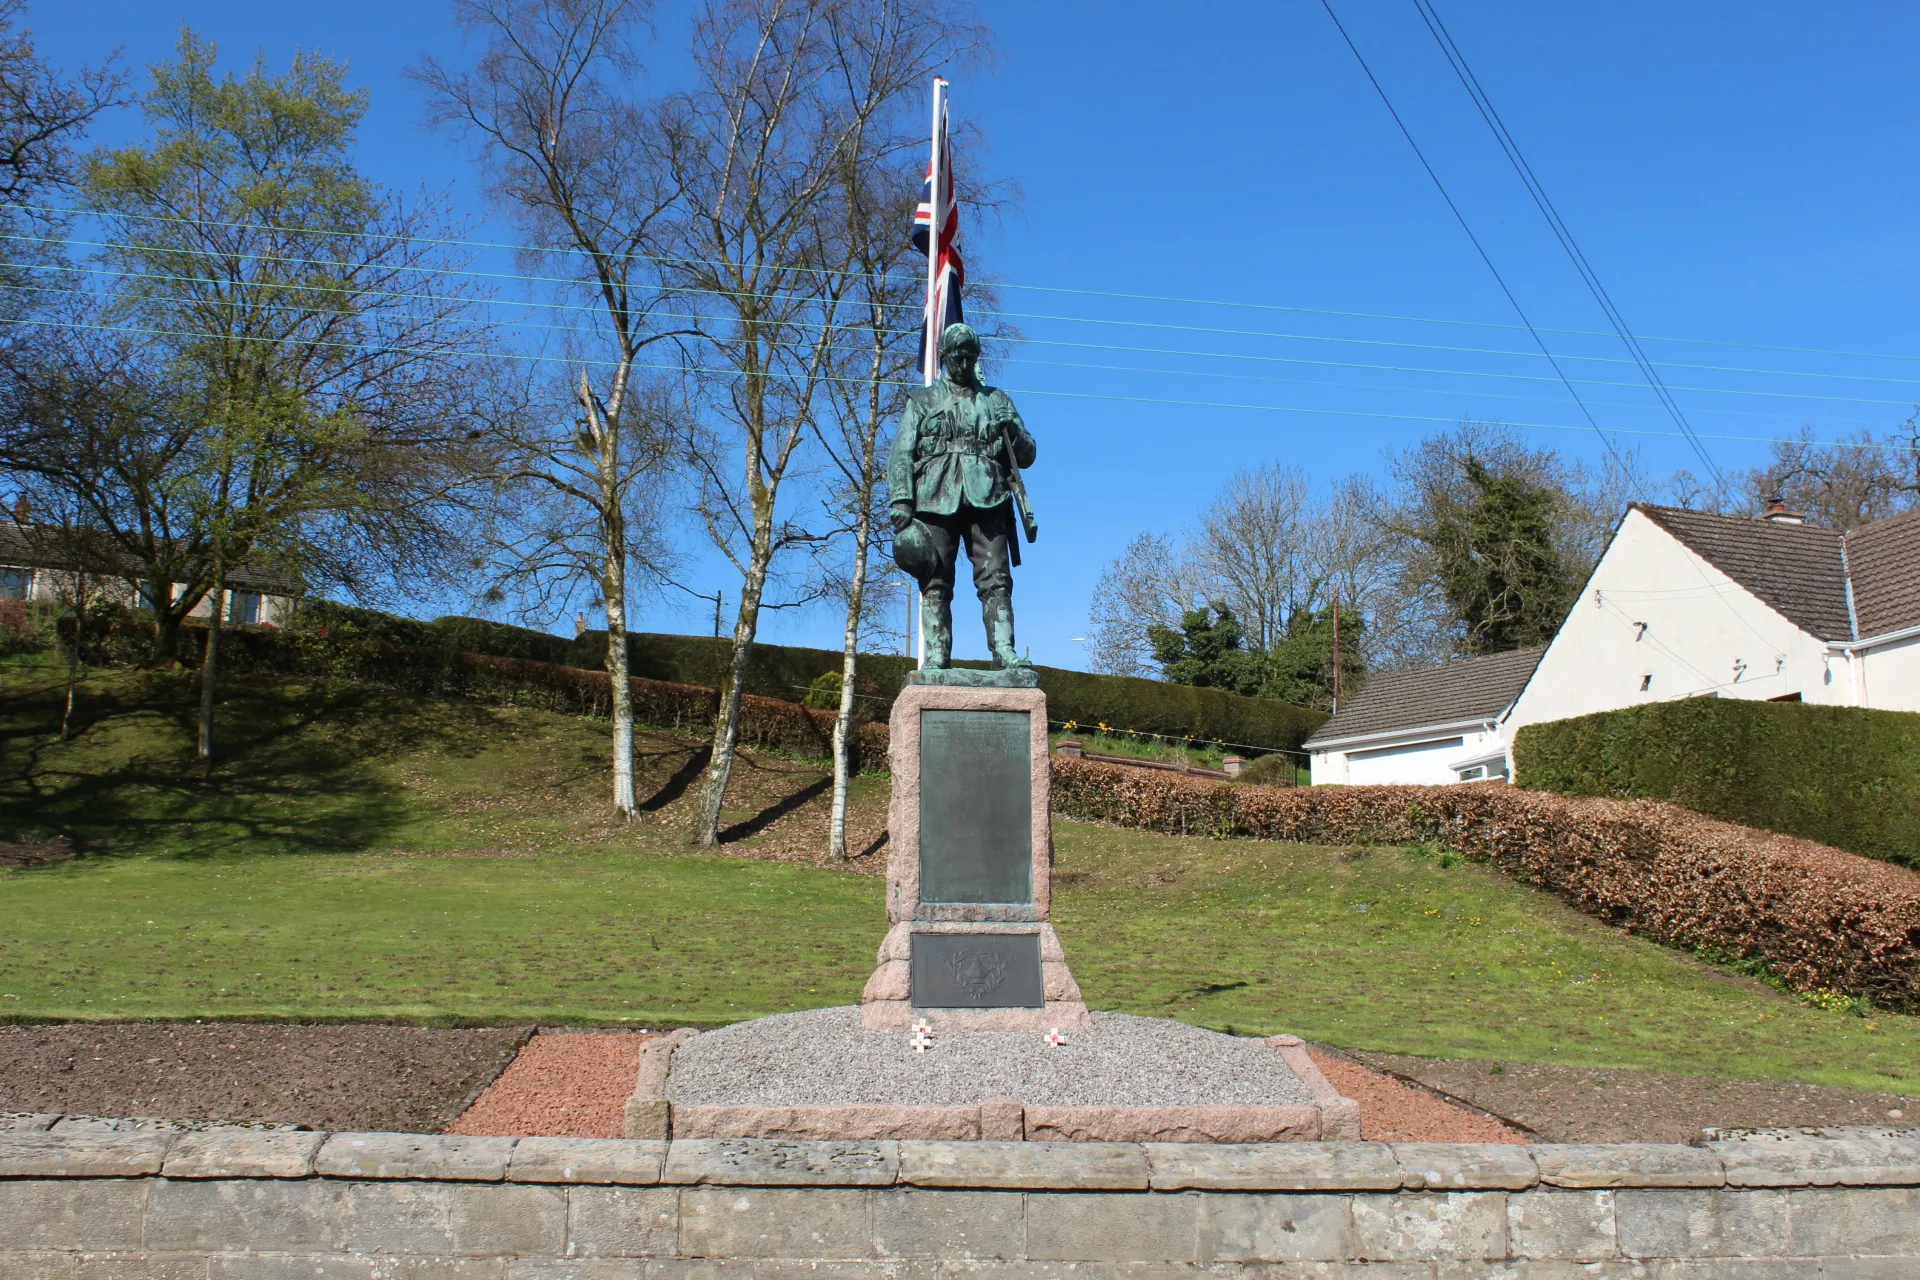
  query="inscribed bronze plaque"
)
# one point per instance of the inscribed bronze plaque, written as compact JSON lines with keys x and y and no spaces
{"x":976,"y":971}
{"x":976,"y":806}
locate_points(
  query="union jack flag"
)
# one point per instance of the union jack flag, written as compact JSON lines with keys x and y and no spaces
{"x":946,"y":272}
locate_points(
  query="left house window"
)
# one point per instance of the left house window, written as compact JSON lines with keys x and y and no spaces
{"x":15,"y":584}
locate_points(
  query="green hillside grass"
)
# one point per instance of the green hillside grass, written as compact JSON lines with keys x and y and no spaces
{"x":361,"y":855}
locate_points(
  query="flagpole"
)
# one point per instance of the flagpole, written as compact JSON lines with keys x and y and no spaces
{"x":937,"y":219}
{"x":930,"y":362}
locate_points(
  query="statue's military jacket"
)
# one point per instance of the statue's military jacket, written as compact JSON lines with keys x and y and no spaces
{"x":949,"y":450}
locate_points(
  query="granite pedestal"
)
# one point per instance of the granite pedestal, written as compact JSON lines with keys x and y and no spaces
{"x":970,"y":872}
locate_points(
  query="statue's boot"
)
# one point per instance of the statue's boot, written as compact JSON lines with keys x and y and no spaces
{"x":997,"y":611}
{"x":936,"y":628}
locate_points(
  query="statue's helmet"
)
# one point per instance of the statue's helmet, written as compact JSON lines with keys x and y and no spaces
{"x":913,"y":551}
{"x":957,"y":336}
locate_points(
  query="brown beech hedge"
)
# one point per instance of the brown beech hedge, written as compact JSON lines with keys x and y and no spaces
{"x":1818,"y":917}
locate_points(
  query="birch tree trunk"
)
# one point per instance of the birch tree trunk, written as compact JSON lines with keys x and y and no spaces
{"x":849,"y":663}
{"x":209,"y":664}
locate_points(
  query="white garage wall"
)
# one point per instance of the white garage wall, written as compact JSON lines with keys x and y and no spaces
{"x":1413,"y":763}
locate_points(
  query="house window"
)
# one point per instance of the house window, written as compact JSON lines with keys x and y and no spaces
{"x":15,"y":584}
{"x":1646,"y":682}
{"x":244,"y":606}
{"x":1474,"y":773}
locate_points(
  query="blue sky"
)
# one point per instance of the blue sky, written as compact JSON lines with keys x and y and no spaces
{"x":1742,"y":176}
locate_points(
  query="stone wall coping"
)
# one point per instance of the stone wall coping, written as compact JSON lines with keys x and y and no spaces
{"x":1776,"y":1158}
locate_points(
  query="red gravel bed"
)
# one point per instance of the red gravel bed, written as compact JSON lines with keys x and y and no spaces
{"x":562,"y":1085}
{"x":1393,"y":1111}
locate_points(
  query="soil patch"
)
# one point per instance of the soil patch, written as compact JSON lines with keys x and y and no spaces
{"x":352,"y":1077}
{"x":36,"y":853}
{"x":1586,"y":1104}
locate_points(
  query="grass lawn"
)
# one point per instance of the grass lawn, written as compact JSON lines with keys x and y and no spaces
{"x":364,"y":855}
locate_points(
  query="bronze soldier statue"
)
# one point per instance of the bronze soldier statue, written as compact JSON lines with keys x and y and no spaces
{"x":953,"y":477}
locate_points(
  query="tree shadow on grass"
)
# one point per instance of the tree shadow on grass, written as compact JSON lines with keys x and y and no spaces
{"x":676,"y":786}
{"x":296,"y":765}
{"x":749,"y":827}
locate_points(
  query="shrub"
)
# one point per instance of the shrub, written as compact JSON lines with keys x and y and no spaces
{"x":824,"y":692}
{"x":26,"y":626}
{"x":1815,"y":916}
{"x":325,"y":617}
{"x":1845,"y":776}
{"x":1270,"y":771}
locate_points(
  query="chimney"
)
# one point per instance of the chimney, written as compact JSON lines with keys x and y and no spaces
{"x":1777,"y":512}
{"x":22,"y":509}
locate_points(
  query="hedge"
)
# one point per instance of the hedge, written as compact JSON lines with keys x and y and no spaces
{"x":1124,"y":702}
{"x":1818,"y":917}
{"x":1845,"y":776}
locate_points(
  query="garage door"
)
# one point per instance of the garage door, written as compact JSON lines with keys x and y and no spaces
{"x":1416,"y":762}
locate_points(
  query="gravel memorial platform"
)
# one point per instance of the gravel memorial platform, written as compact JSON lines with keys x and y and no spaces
{"x":823,"y":1074}
{"x":824,"y":1057}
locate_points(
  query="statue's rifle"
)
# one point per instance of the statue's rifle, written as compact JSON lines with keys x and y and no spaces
{"x":1021,"y":503}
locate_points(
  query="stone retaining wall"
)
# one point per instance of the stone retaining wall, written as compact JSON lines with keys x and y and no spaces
{"x":296,"y":1205}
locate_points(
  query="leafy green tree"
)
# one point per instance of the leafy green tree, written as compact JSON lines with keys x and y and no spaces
{"x":1299,"y":669}
{"x":1208,"y":650}
{"x":286,"y":380}
{"x":1498,"y":560}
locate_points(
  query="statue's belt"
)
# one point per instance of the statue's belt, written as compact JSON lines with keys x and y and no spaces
{"x":956,"y":451}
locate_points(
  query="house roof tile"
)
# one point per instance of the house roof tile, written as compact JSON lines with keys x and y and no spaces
{"x":1461,"y":690}
{"x":32,"y":547}
{"x":1795,"y":569}
{"x":1884,"y":559}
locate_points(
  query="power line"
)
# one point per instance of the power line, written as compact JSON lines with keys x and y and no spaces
{"x":914,"y":308}
{"x":1471,"y":83}
{"x":458,"y":242}
{"x":1025,"y":391}
{"x":811,"y":325}
{"x":1462,"y":220}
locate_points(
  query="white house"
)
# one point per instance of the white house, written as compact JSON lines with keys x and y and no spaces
{"x":1426,"y":725}
{"x":1683,"y":604}
{"x":32,"y":568}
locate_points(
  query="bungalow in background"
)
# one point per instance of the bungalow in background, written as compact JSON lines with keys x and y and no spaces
{"x":1427,"y":725}
{"x":34,"y":568}
{"x":1683,"y":604}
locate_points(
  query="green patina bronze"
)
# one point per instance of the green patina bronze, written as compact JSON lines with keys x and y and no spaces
{"x":953,"y":478}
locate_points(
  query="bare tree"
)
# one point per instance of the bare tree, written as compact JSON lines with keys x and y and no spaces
{"x":1268,"y":549}
{"x":1850,"y":482}
{"x":579,"y":162}
{"x":1250,"y":548}
{"x":43,"y":115}
{"x":1149,"y":584}
{"x":785,"y":92}
{"x":872,"y":369}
